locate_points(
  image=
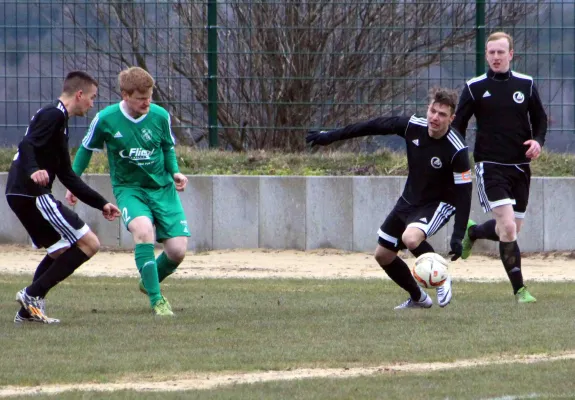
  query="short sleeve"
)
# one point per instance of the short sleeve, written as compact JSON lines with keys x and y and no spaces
{"x":95,"y":138}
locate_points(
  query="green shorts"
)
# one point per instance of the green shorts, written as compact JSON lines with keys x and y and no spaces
{"x":162,"y":206}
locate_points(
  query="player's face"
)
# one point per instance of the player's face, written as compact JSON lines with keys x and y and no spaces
{"x":439,"y":116}
{"x":498,"y":55}
{"x":85,"y":99}
{"x":138,"y":102}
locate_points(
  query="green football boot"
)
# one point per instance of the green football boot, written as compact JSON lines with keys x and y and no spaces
{"x":162,"y":308}
{"x":467,"y":242}
{"x":523,"y":296}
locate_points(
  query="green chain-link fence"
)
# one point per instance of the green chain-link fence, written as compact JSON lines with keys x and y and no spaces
{"x":257,"y":74}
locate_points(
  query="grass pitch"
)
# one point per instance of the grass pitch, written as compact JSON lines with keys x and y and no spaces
{"x":236,"y":326}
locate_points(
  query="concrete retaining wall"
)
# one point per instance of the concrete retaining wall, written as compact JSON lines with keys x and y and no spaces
{"x":226,"y":212}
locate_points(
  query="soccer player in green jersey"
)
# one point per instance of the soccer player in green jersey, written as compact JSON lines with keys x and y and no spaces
{"x":145,"y":179}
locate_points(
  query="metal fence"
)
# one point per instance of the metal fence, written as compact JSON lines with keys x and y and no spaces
{"x":257,"y":74}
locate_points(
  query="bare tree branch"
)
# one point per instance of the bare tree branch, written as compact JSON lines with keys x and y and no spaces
{"x":283,"y":66}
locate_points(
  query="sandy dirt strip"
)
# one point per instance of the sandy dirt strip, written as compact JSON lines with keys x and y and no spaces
{"x":260,"y":263}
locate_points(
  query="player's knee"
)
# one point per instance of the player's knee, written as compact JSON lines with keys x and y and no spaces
{"x":507,"y":230}
{"x":176,"y":254}
{"x":384,"y":256}
{"x":411,"y":240}
{"x":89,"y":244}
{"x":143,"y":235}
{"x":176,"y":248}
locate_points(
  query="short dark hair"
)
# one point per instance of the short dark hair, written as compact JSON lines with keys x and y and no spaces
{"x":77,"y":80}
{"x":444,"y":96}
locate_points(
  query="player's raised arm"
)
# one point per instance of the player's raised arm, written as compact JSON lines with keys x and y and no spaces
{"x":376,"y":126}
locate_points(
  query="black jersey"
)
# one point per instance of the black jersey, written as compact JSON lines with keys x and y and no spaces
{"x":45,"y":147}
{"x":508,"y":112}
{"x":439,"y":169}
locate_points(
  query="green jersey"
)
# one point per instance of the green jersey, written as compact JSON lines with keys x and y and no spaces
{"x":136,"y":148}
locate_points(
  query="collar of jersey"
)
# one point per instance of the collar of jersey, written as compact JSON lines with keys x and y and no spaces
{"x":134,"y":120}
{"x":499,"y":76}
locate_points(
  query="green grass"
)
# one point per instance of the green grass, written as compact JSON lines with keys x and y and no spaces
{"x":383,"y":162}
{"x":108,"y":334}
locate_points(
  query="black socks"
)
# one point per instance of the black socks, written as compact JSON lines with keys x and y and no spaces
{"x":424,"y":247}
{"x":484,"y":231}
{"x":61,"y":268}
{"x":511,"y":258}
{"x":399,"y":272}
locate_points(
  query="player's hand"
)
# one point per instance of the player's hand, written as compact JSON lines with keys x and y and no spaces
{"x":181,"y":181}
{"x":41,"y":177}
{"x":456,"y":249}
{"x":318,"y":138}
{"x":70,"y":198}
{"x":534,"y":150}
{"x":110,"y":212}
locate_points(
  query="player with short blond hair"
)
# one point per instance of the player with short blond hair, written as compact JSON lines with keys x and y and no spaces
{"x":511,"y":129}
{"x":145,"y":179}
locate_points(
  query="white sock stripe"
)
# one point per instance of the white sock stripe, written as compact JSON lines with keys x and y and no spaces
{"x":52,"y":215}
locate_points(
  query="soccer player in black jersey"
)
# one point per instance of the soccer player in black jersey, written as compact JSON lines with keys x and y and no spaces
{"x":438,"y":185}
{"x":42,"y":156}
{"x":511,"y":128}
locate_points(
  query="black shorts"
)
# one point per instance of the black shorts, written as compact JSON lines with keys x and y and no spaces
{"x":49,"y":223}
{"x":429,"y":218}
{"x":498,"y":185}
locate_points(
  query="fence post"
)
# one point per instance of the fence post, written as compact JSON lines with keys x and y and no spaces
{"x":213,"y":73}
{"x":479,"y":37}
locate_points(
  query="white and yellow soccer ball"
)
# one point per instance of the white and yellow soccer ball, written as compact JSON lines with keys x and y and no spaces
{"x":430,"y":270}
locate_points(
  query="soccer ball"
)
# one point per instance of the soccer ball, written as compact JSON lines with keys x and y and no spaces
{"x":430,"y":270}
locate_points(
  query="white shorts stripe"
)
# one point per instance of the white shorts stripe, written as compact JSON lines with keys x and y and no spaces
{"x":50,"y":212}
{"x":387,"y":237}
{"x":440,"y":217}
{"x":53,"y":216}
{"x":481,"y":187}
{"x":519,"y":215}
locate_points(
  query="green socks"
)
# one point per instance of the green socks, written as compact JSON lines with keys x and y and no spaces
{"x":146,"y":263}
{"x":166,"y":267}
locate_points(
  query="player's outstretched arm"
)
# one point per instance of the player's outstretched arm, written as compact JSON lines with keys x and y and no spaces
{"x":376,"y":126}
